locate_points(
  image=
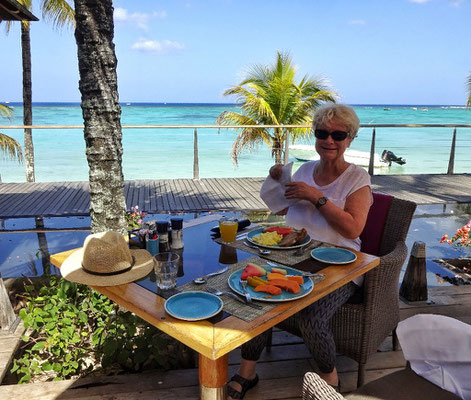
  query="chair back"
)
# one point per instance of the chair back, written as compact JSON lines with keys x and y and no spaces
{"x":372,"y":234}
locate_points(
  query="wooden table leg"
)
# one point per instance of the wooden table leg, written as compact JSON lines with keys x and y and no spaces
{"x":213,"y":377}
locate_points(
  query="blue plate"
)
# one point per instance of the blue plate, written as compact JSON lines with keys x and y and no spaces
{"x":333,"y":255}
{"x":193,"y":306}
{"x":258,"y":231}
{"x":306,"y":287}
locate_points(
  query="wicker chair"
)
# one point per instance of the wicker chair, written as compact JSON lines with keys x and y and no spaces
{"x":403,"y":385}
{"x":360,"y":328}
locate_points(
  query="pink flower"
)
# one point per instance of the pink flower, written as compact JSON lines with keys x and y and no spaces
{"x":444,"y":238}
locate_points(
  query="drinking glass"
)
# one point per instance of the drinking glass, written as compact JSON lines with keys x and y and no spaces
{"x":166,"y":268}
{"x":228,"y":230}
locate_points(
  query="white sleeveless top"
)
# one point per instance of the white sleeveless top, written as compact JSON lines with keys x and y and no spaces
{"x":304,"y":214}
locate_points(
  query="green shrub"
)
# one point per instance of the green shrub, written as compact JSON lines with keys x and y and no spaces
{"x":74,"y":330}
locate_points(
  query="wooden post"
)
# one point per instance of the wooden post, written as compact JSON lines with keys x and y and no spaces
{"x":451,"y":161}
{"x":7,"y":315}
{"x":213,"y":377}
{"x":414,"y":283}
{"x":371,"y":166}
{"x":196,"y":168}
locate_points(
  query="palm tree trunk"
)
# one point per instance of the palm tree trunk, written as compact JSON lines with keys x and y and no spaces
{"x":27,"y":101}
{"x":101,"y":113}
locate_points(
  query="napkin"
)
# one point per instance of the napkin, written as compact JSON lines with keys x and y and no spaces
{"x":273,"y":191}
{"x":438,"y":349}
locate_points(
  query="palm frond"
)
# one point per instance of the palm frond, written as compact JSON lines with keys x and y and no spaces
{"x":10,"y":148}
{"x":6,"y":111}
{"x":59,"y":12}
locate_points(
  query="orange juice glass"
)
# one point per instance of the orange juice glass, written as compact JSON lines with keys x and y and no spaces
{"x":228,"y":230}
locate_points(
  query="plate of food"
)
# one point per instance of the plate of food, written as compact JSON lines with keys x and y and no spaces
{"x":271,"y":284}
{"x":279,"y":237}
{"x":333,"y":255}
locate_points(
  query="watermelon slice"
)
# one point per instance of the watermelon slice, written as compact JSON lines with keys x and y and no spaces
{"x":252,"y":270}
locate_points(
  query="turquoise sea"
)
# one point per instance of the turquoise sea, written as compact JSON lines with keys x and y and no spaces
{"x":168,"y":153}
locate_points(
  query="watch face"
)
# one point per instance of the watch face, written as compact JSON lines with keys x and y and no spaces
{"x":321,"y":201}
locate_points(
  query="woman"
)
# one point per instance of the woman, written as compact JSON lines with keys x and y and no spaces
{"x":334,"y":198}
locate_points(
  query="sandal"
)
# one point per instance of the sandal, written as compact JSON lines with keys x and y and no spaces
{"x":245,"y":383}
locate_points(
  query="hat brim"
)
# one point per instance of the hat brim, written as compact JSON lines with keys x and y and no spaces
{"x":71,"y":270}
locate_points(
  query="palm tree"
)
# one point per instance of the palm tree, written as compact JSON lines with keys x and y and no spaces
{"x":60,"y":13}
{"x":269,"y":95}
{"x":9,"y":146}
{"x":101,"y":113}
{"x":468,"y":84}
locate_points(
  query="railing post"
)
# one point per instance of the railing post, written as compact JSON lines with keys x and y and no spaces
{"x":196,"y":167}
{"x":414,"y":283}
{"x":451,"y":161}
{"x":371,"y":166}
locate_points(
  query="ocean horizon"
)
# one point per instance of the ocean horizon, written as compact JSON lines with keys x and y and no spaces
{"x":167,"y":153}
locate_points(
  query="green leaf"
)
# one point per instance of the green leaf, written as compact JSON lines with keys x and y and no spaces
{"x":39,"y":346}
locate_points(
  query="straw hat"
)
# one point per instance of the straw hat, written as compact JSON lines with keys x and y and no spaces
{"x":105,"y":260}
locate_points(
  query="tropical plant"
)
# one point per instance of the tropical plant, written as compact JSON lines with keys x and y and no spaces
{"x":61,"y":13}
{"x":9,"y":146}
{"x":460,"y":238}
{"x":269,"y":95}
{"x":101,"y":113}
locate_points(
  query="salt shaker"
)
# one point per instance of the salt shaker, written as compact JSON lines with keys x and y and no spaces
{"x":162,"y":230}
{"x":177,"y":233}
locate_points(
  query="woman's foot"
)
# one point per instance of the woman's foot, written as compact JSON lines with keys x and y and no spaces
{"x":238,"y":386}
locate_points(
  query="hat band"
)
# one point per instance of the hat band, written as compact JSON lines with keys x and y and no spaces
{"x":110,"y":273}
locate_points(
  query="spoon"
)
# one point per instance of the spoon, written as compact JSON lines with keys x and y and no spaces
{"x":260,"y":250}
{"x":204,"y":279}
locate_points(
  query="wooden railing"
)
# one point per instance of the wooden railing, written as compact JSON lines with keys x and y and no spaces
{"x":451,"y":160}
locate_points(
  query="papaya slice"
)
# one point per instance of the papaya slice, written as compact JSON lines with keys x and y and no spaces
{"x":270,"y":289}
{"x":296,"y":278}
{"x":275,"y":275}
{"x":289,"y":286}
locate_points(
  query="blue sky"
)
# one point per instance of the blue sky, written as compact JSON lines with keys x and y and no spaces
{"x":371,"y":52}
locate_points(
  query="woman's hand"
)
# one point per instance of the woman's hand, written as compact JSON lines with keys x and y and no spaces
{"x":301,"y":190}
{"x":275,"y":171}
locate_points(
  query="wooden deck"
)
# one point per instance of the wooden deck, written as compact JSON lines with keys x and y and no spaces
{"x":281,"y":370}
{"x":179,"y":195}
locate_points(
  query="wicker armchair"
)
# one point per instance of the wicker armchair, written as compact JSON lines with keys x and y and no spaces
{"x":403,"y":385}
{"x":360,"y":328}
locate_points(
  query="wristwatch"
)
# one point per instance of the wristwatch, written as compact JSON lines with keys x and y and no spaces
{"x":320,"y":202}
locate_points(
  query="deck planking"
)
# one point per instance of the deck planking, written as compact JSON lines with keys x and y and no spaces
{"x":48,"y":199}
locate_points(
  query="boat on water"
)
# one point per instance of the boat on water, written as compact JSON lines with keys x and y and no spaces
{"x":307,"y":152}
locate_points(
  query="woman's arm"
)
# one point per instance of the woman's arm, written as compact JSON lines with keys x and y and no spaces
{"x":350,"y":221}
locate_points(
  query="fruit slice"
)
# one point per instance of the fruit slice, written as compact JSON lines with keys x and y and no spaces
{"x":281,"y":230}
{"x":252,"y":270}
{"x":289,"y":286}
{"x":275,"y":275}
{"x":279,"y":270}
{"x":254,"y":281}
{"x":268,"y":289}
{"x":296,"y":278}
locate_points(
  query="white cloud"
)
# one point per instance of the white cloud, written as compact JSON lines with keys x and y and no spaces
{"x":137,"y":18}
{"x":419,"y":1}
{"x":356,"y":22}
{"x":154,"y":46}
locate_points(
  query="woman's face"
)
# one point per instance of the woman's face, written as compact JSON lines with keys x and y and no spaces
{"x":329,"y":149}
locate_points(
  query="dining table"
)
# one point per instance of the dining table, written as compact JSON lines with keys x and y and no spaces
{"x":215,"y":337}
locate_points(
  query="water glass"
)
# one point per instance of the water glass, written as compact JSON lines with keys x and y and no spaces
{"x":228,"y":230}
{"x":166,"y":268}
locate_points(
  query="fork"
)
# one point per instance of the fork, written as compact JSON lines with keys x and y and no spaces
{"x":219,"y":293}
{"x":243,"y":283}
{"x":301,"y":250}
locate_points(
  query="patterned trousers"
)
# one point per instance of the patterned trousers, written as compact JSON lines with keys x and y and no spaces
{"x":312,"y":325}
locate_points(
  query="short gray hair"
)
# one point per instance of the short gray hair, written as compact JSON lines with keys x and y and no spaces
{"x":341,"y":113}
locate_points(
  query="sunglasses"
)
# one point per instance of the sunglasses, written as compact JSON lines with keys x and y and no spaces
{"x":338,"y":136}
